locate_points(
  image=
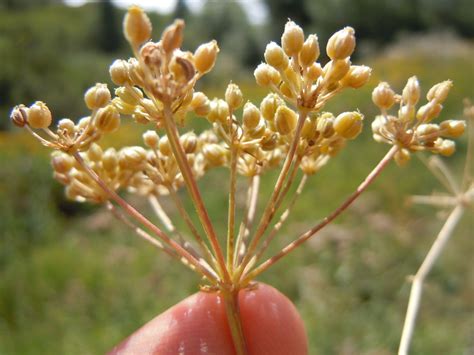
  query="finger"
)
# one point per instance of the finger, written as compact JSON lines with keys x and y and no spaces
{"x":270,"y":323}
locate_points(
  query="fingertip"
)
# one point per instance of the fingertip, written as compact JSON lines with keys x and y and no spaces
{"x":271,"y":323}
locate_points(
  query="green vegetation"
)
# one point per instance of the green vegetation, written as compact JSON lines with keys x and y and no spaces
{"x":74,"y":281}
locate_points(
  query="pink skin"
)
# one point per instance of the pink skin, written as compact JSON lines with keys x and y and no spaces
{"x":198,"y":325}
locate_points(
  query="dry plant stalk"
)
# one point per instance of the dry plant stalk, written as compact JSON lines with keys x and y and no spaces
{"x":460,"y":197}
{"x":288,"y":131}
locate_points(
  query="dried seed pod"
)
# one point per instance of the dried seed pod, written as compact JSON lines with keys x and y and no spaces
{"x":39,"y":115}
{"x":172,"y":36}
{"x":429,"y":111}
{"x":95,"y":153}
{"x":453,"y":128}
{"x":266,"y":75}
{"x":107,"y":119}
{"x":292,"y":39}
{"x":285,"y":120}
{"x":341,"y":44}
{"x":233,"y":96}
{"x":348,"y":124}
{"x":402,"y":157}
{"x":97,"y":96}
{"x":200,"y":104}
{"x":136,"y":26}
{"x":357,"y":76}
{"x":383,"y":96}
{"x":250,"y":116}
{"x":310,"y":51}
{"x":205,"y":56}
{"x":446,"y":147}
{"x":151,"y":139}
{"x":189,"y":142}
{"x":110,"y":160}
{"x":119,"y":72}
{"x":19,"y":115}
{"x":411,"y":91}
{"x":440,"y":91}
{"x":61,"y":162}
{"x":132,"y":158}
{"x":275,"y":56}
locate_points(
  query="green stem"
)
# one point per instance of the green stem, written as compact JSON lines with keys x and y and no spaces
{"x":231,"y":302}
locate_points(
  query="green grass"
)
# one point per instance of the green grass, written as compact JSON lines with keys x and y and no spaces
{"x":73,"y":281}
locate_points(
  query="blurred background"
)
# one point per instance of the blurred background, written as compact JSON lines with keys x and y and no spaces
{"x":73,"y":281}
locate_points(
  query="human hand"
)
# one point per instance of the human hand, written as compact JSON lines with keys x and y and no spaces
{"x":198,"y":325}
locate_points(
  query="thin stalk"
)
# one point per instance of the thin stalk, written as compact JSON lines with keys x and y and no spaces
{"x":308,"y":234}
{"x":231,"y":302}
{"x":187,"y":219}
{"x":249,"y":215}
{"x":269,"y":211}
{"x":232,"y":190}
{"x":169,"y":226}
{"x":284,"y":216}
{"x":141,"y":233}
{"x":130,"y":210}
{"x":180,"y":156}
{"x":417,"y":287}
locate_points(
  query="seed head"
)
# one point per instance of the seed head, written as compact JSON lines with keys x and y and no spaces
{"x":61,"y":162}
{"x":132,"y":157}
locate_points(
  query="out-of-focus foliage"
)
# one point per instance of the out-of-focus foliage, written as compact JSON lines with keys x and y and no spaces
{"x":379,"y":20}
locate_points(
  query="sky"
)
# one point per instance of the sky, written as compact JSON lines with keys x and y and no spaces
{"x":255,"y":9}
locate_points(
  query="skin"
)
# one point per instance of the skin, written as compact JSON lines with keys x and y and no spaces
{"x":198,"y":325}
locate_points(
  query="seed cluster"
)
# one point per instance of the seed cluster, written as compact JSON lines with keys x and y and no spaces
{"x":412,"y":129}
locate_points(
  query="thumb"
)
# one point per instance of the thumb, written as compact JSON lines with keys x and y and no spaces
{"x":198,"y":324}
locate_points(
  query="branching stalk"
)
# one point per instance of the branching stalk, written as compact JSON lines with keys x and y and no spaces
{"x":417,"y":285}
{"x":284,"y":216}
{"x":130,"y":210}
{"x":305,"y":236}
{"x":249,"y":215}
{"x":180,"y":156}
{"x":269,"y":211}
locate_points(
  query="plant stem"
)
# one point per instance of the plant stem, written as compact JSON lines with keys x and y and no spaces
{"x":269,"y":211}
{"x":417,"y":286}
{"x":231,"y":302}
{"x":246,"y":224}
{"x":130,"y":210}
{"x":187,"y":219}
{"x":180,"y":156}
{"x":308,"y":234}
{"x":283,"y":217}
{"x":232,"y":189}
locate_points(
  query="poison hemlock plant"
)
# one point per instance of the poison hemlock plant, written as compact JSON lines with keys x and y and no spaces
{"x":287,"y":131}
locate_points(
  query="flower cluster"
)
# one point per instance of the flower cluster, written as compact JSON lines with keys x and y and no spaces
{"x":412,"y":130}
